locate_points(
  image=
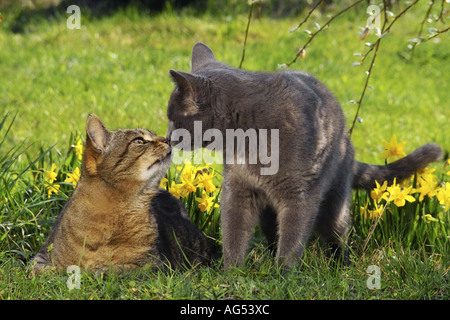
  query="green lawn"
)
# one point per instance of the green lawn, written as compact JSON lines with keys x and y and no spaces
{"x":117,"y":67}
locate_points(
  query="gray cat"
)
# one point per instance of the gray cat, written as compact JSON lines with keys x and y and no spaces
{"x":311,"y":189}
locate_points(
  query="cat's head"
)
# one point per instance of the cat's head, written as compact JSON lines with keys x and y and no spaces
{"x":193,"y":96}
{"x":124,"y":157}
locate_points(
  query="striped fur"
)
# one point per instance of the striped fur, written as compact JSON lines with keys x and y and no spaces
{"x":117,"y":217}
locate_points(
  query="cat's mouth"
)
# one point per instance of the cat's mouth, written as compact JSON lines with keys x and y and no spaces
{"x":161,"y":159}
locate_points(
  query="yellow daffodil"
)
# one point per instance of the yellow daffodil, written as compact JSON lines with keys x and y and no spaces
{"x":363,"y":211}
{"x":443,"y":195}
{"x":178,"y":190}
{"x":393,"y":150}
{"x":189,"y":185}
{"x":403,"y":195}
{"x":448,"y":164}
{"x":163,"y":183}
{"x":187,"y":171}
{"x":204,"y":178}
{"x":50,"y":176}
{"x":73,"y":177}
{"x":371,"y":214}
{"x":187,"y":177}
{"x":429,"y":218}
{"x":425,"y":171}
{"x":379,"y":191}
{"x":398,"y":195}
{"x":205,"y":203}
{"x":54,"y":188}
{"x":378,"y":212}
{"x":174,"y":190}
{"x":426,"y":186}
{"x":78,"y":147}
{"x":192,"y":179}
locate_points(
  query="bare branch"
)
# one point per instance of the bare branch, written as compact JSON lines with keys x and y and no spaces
{"x":324,"y":26}
{"x":307,"y":17}
{"x":419,"y":34}
{"x":252,"y":6}
{"x":375,"y":47}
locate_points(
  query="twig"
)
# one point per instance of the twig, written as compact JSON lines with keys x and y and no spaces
{"x":366,"y":84}
{"x":441,"y":13}
{"x":307,"y":17}
{"x":369,"y":72}
{"x":250,"y":15}
{"x":376,"y":46}
{"x":324,"y":26}
{"x":438,"y":33}
{"x":419,"y":34}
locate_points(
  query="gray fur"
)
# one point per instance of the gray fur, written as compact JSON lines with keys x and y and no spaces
{"x":366,"y":174}
{"x":311,"y":190}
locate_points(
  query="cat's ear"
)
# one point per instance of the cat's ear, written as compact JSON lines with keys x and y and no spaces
{"x":96,"y":133}
{"x":201,"y":56}
{"x":181,"y":79}
{"x":189,"y":86}
{"x":96,"y":142}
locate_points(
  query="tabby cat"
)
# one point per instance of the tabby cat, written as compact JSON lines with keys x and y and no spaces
{"x":311,"y":190}
{"x":117,"y":216}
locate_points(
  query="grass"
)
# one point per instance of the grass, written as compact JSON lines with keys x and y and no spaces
{"x":404,"y":275}
{"x":117,"y":66}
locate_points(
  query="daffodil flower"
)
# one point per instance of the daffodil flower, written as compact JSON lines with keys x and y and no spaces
{"x":205,"y":203}
{"x":427,"y":186}
{"x":398,"y":194}
{"x":425,"y":171}
{"x":163,"y":183}
{"x":187,"y":177}
{"x":192,"y":179}
{"x":78,"y":147}
{"x":178,"y":190}
{"x":403,"y":195}
{"x":371,"y":214}
{"x":50,"y":176}
{"x":204,"y":178}
{"x":429,"y":218}
{"x":379,"y":191}
{"x":443,"y":195}
{"x":73,"y":177}
{"x":54,"y":188}
{"x":393,"y":150}
{"x":378,"y":212}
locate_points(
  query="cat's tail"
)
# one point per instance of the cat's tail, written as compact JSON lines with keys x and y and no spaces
{"x":366,"y":174}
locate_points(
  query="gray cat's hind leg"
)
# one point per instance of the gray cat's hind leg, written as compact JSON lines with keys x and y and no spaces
{"x":269,"y":227}
{"x":333,"y":224}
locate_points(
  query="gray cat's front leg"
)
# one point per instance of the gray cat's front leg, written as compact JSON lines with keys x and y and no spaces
{"x":239,"y":217}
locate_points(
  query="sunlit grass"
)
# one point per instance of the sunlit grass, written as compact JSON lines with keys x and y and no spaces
{"x":117,"y":67}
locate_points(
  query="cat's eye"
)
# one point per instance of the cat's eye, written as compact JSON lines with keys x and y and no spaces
{"x":139,"y":140}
